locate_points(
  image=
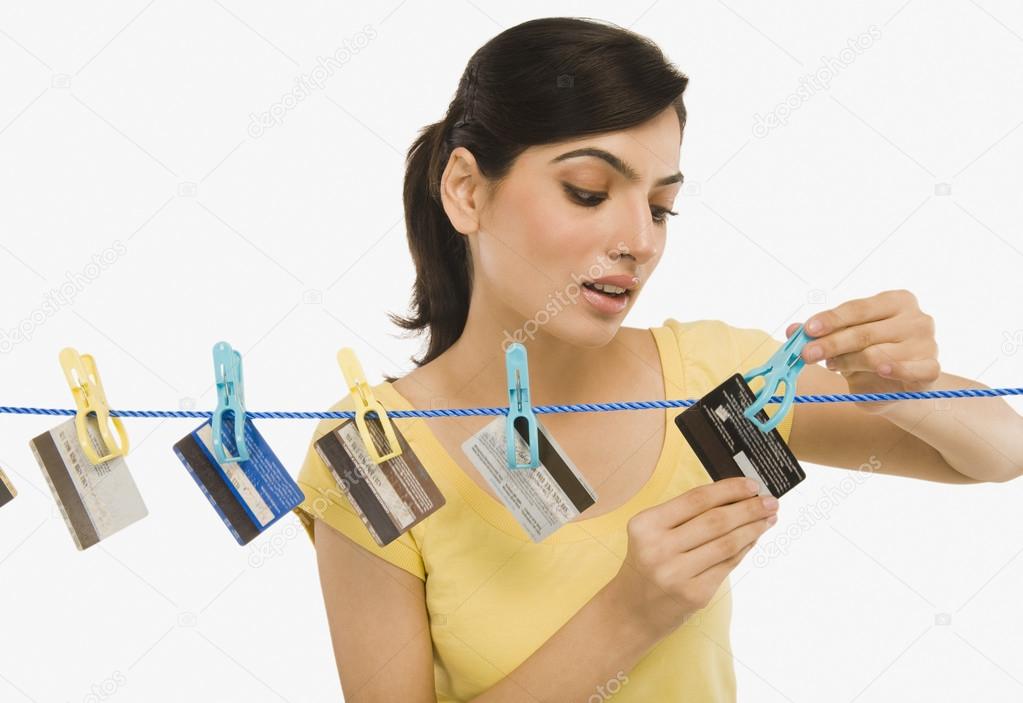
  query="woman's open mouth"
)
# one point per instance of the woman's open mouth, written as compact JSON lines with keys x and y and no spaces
{"x":606,"y":297}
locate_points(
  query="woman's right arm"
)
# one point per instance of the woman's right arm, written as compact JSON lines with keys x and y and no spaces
{"x":679,"y":553}
{"x":378,"y":623}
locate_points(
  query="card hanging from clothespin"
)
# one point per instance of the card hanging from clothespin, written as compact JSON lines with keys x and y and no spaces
{"x":251,"y":490}
{"x":521,"y":419}
{"x":365,"y":402}
{"x":7,"y":490}
{"x":227,"y":368}
{"x":782,"y":367}
{"x":87,"y":390}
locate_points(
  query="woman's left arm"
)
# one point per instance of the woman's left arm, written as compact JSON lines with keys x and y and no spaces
{"x":886,"y":344}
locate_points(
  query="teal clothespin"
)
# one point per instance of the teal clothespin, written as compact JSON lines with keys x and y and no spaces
{"x":783,"y":367}
{"x":519,"y":408}
{"x":227,"y":367}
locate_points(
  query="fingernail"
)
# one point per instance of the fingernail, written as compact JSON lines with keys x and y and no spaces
{"x":769,"y":501}
{"x":815,"y":353}
{"x":813,"y":326}
{"x":751,"y":485}
{"x":773,"y":519}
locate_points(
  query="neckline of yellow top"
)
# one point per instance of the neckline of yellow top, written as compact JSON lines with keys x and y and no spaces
{"x":419,"y":436}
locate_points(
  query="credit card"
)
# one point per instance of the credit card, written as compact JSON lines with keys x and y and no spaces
{"x":7,"y":491}
{"x":542,"y":499}
{"x":250,"y":495}
{"x":96,"y":500}
{"x":391,"y":497}
{"x":729,"y":445}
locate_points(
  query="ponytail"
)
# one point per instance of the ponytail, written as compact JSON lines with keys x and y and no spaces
{"x":440,"y":297}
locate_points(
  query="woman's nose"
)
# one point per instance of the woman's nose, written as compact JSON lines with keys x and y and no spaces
{"x":639,"y":234}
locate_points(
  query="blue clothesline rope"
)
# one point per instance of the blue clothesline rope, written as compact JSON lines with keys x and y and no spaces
{"x":577,"y":408}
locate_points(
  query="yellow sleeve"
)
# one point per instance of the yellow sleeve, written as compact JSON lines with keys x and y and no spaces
{"x":754,"y":347}
{"x":325,"y":500}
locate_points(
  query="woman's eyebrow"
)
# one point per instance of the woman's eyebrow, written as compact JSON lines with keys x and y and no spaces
{"x":616,"y":163}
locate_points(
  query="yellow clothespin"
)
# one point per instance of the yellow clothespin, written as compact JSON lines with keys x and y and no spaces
{"x":87,"y":389}
{"x":364,"y":402}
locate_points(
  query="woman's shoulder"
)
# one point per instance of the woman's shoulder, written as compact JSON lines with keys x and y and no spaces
{"x":696,"y":339}
{"x":733,"y":347}
{"x":704,"y":327}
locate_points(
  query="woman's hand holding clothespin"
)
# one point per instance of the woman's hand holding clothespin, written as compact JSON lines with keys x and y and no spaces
{"x":880,"y":344}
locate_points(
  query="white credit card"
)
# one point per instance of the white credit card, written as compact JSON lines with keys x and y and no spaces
{"x":541,"y":499}
{"x":96,"y":500}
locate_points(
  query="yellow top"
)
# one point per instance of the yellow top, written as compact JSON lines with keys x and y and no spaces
{"x":494,"y":596}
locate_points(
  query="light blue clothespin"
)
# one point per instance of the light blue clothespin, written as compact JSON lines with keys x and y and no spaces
{"x":227,"y":367}
{"x":519,"y":408}
{"x":783,"y":367}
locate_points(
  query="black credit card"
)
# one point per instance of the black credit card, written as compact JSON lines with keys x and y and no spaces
{"x":730,"y":446}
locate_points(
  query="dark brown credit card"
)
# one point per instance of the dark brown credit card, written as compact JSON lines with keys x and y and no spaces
{"x":730,"y":446}
{"x":390,"y":497}
{"x":7,"y":491}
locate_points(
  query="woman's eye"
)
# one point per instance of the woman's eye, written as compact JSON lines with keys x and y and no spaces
{"x":585,"y":197}
{"x":660,"y":214}
{"x":590,"y":199}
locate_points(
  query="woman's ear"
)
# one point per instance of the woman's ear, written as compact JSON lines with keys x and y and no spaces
{"x":462,"y":191}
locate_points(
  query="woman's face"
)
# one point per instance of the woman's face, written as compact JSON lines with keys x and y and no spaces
{"x":568,"y":215}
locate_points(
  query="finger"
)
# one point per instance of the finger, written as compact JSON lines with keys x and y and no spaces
{"x":922,"y":371}
{"x":695,"y":501}
{"x":717,"y":522}
{"x":713,"y":577}
{"x":850,"y":340}
{"x":884,"y":363}
{"x":724,"y":547}
{"x":870,"y":359}
{"x":915,"y":371}
{"x":861,"y":310}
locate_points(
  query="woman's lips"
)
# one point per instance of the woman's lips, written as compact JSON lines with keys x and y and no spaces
{"x":607,"y":304}
{"x":627,"y":281}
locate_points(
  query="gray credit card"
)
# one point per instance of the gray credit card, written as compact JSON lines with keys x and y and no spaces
{"x":96,"y":500}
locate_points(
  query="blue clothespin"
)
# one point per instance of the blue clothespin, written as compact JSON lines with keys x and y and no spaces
{"x":783,"y":367}
{"x":519,"y":408}
{"x":227,"y":367}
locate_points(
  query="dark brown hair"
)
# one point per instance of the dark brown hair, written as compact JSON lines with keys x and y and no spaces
{"x":542,"y":81}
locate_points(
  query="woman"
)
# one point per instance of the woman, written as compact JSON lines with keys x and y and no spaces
{"x":541,"y":195}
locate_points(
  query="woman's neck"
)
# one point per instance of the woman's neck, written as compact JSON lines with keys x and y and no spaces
{"x":472,"y":371}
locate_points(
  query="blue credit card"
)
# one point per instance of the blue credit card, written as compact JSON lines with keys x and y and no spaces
{"x":250,"y":495}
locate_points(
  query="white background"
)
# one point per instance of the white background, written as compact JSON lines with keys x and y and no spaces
{"x":129,"y":123}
